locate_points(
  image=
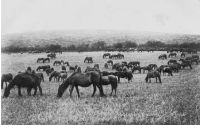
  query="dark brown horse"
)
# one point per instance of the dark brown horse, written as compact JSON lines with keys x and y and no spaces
{"x":83,"y":80}
{"x":6,"y":78}
{"x":24,"y":80}
{"x":55,"y":75}
{"x":112,"y":80}
{"x":153,"y":74}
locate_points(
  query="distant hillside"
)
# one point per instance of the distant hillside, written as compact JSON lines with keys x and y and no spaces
{"x":66,"y":38}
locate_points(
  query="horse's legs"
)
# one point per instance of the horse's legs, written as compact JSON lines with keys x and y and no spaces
{"x":156,"y":79}
{"x":40,"y":89}
{"x":112,"y":90}
{"x":71,"y":90}
{"x":35,"y":91}
{"x":101,"y":90}
{"x":77,"y":91}
{"x":94,"y":86}
{"x":19,"y":91}
{"x":1,"y":84}
{"x":29,"y":91}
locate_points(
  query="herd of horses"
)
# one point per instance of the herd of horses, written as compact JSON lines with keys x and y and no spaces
{"x":93,"y":75}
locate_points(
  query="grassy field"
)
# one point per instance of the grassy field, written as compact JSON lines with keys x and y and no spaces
{"x":175,"y":101}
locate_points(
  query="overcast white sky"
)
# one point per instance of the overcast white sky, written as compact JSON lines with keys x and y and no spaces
{"x":177,"y":16}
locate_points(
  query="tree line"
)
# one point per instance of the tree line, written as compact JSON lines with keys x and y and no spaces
{"x":101,"y":46}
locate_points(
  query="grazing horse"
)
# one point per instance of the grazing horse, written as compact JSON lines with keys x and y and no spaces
{"x":186,"y":63}
{"x":193,"y":58}
{"x":110,"y":79}
{"x":40,"y":60}
{"x":171,"y":61}
{"x":167,"y":70}
{"x":57,"y":62}
{"x":88,"y":59}
{"x":110,"y":62}
{"x":136,"y":68}
{"x":162,"y":56}
{"x":106,"y":54}
{"x":175,"y":67}
{"x":46,"y":60}
{"x":83,"y":80}
{"x":51,"y":55}
{"x":62,"y":76}
{"x":49,"y":70}
{"x":153,"y":66}
{"x":73,"y":68}
{"x":144,"y":68}
{"x":126,"y":75}
{"x":6,"y":78}
{"x":153,"y":74}
{"x":172,"y":55}
{"x":56,"y":76}
{"x":43,"y":67}
{"x":134,"y":63}
{"x":24,"y":80}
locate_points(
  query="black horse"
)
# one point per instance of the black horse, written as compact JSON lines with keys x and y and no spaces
{"x":43,"y":67}
{"x":57,"y":62}
{"x":88,"y":60}
{"x":136,"y":68}
{"x":83,"y":80}
{"x":153,"y":74}
{"x":55,"y":75}
{"x":186,"y":63}
{"x":126,"y":75}
{"x":6,"y":78}
{"x":24,"y":80}
{"x":171,"y":61}
{"x":49,"y":70}
{"x":110,"y":79}
{"x":172,"y":55}
{"x":106,"y":54}
{"x":134,"y":63}
{"x":167,"y":70}
{"x":46,"y":60}
{"x":162,"y":56}
{"x":51,"y":55}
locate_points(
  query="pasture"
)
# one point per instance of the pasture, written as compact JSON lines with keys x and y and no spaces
{"x":175,"y":101}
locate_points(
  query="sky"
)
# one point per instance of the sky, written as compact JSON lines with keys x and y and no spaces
{"x":170,"y":16}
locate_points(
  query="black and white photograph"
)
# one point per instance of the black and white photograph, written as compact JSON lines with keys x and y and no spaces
{"x":100,"y":62}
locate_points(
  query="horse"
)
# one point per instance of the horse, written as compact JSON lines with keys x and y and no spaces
{"x":78,"y":69}
{"x":63,"y":68}
{"x":24,"y":80}
{"x":51,"y":55}
{"x":134,"y":63}
{"x":56,"y":76}
{"x":46,"y":59}
{"x":175,"y":67}
{"x":40,"y":60}
{"x":110,"y":62}
{"x":162,"y":56}
{"x":152,"y":66}
{"x":106,"y":65}
{"x":43,"y":67}
{"x":73,"y":68}
{"x":126,"y":75}
{"x":6,"y":78}
{"x":62,"y":76}
{"x":193,"y":58}
{"x":49,"y":70}
{"x":171,"y":61}
{"x":153,"y":74}
{"x":145,"y":68}
{"x":167,"y":70}
{"x":136,"y":68}
{"x":57,"y":62}
{"x":88,"y":59}
{"x":105,"y":55}
{"x":110,"y":79}
{"x":83,"y":80}
{"x":172,"y":55}
{"x":66,"y":63}
{"x":186,"y":63}
{"x":96,"y":66}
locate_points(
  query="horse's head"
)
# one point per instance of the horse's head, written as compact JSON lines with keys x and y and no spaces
{"x":62,"y":88}
{"x":7,"y":90}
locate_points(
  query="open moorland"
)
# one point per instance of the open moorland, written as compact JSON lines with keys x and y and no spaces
{"x":174,"y":102}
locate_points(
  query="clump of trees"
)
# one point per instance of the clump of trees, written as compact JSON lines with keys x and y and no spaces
{"x":100,"y":46}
